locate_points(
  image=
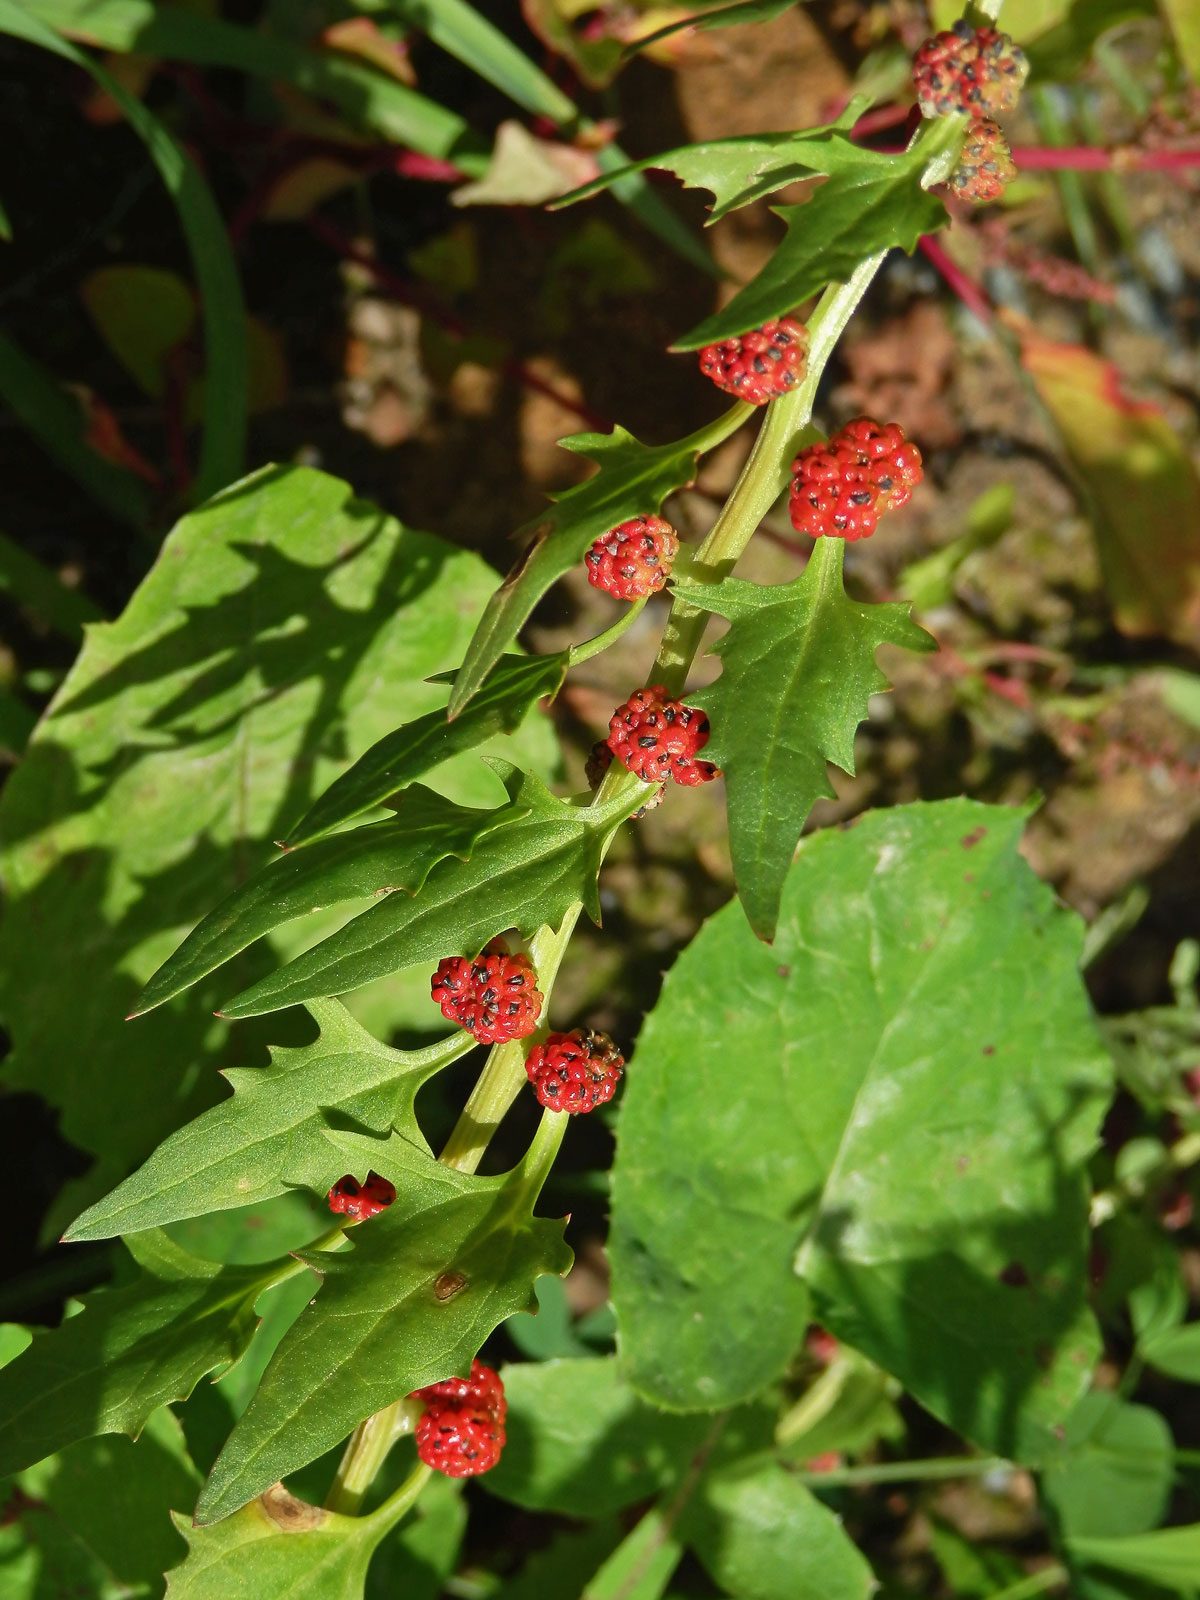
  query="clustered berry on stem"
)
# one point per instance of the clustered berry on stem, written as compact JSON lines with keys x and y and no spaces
{"x":761,"y":365}
{"x":575,"y":1072}
{"x":841,"y":488}
{"x":658,"y":738}
{"x":985,"y":167}
{"x":598,"y":762}
{"x":358,"y":1201}
{"x":976,"y":70}
{"x":495,"y":996}
{"x":461,"y":1432}
{"x":634,"y":558}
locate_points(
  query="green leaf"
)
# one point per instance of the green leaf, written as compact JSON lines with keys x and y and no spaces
{"x":798,"y":667}
{"x":1175,"y":1351}
{"x":580,"y":1442}
{"x":279,"y":1548}
{"x":524,"y":875}
{"x":415,"y":1561}
{"x":143,"y":314}
{"x":633,"y":479}
{"x":95,"y":1519}
{"x":763,"y":1536}
{"x":282,"y":631}
{"x":270,"y":1134}
{"x":381,"y":1327}
{"x":1185,"y":26}
{"x":380,"y":859}
{"x":641,"y":1566}
{"x":1112,"y":1471}
{"x":876,"y":203}
{"x":1170,"y":1557}
{"x":514,"y":685}
{"x":128,"y":1351}
{"x":721,"y":17}
{"x":226,"y":363}
{"x":31,"y":584}
{"x":918,"y":1084}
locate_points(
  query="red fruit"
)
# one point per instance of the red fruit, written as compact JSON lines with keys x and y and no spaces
{"x":976,"y":70}
{"x":658,"y":738}
{"x":985,"y":168}
{"x":575,"y":1071}
{"x":495,"y":997}
{"x":892,"y":464}
{"x":634,"y":558}
{"x":598,"y":762}
{"x":358,"y":1201}
{"x":462,"y":1431}
{"x":483,"y":1391}
{"x":841,"y":488}
{"x":761,"y":365}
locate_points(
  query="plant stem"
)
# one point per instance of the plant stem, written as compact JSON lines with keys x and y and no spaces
{"x":905,"y":1471}
{"x":365,"y":1454}
{"x":593,"y":647}
{"x":1037,"y":1583}
{"x":405,"y":1497}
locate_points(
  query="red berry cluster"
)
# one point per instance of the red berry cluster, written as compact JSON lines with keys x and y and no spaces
{"x":976,"y":70}
{"x":575,"y":1071}
{"x":358,"y":1201}
{"x":598,"y":762}
{"x":462,"y":1430}
{"x":985,"y":168}
{"x":495,"y":997}
{"x":658,"y":738}
{"x":842,"y":488}
{"x":634,"y":558}
{"x":761,"y":365}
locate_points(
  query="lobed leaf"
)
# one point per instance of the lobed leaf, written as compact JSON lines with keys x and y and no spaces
{"x":384,"y":858}
{"x":1112,"y":1471}
{"x":633,"y":479}
{"x":918,"y":1085}
{"x":128,"y":1352}
{"x":798,"y":668}
{"x":524,"y":875}
{"x":269,"y":1136}
{"x":513,"y":686}
{"x":393,"y":1314}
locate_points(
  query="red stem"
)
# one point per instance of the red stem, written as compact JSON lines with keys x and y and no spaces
{"x":967,"y":290}
{"x":1087,"y":158}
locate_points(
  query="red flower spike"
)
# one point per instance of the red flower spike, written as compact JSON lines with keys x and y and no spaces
{"x":658,"y":738}
{"x":357,"y":1201}
{"x":495,"y":997}
{"x":634,"y":558}
{"x":985,"y":168}
{"x":575,"y":1072}
{"x":761,"y":365}
{"x":462,"y":1431}
{"x":974,"y":70}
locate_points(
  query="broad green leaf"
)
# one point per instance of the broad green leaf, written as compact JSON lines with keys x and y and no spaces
{"x":382,"y":858}
{"x":876,"y":203}
{"x":1185,"y":26}
{"x":798,"y":667}
{"x":392,"y":1314}
{"x":763,"y":1536}
{"x":633,"y":479}
{"x":1112,"y":1471}
{"x":514,"y":685}
{"x":371,"y":100}
{"x":641,"y":1566}
{"x":1170,"y":1557}
{"x":95,"y":1520}
{"x":278,"y":1548}
{"x":284,"y":629}
{"x":525,"y":875}
{"x":127,"y":1352}
{"x":269,"y":1134}
{"x":223,"y":444}
{"x":899,"y":1098}
{"x":580,"y":1442}
{"x":1175,"y":1351}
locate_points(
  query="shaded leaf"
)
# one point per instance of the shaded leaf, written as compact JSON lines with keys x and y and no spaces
{"x":128,"y":1352}
{"x":919,"y":1082}
{"x":514,"y":685}
{"x":420,"y":1555}
{"x":1139,"y":484}
{"x":65,"y":609}
{"x":1185,"y":26}
{"x":1112,"y":1471}
{"x":395,"y":856}
{"x":633,"y":479}
{"x":524,"y":875}
{"x":1170,"y":1557}
{"x":742,"y":11}
{"x":798,"y":667}
{"x":641,"y":1566}
{"x":1175,"y":1351}
{"x":270,"y":1134}
{"x":526,"y":170}
{"x":143,"y":314}
{"x":381,"y":1326}
{"x":580,"y":1442}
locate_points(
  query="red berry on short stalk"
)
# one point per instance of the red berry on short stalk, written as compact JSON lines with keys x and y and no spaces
{"x":841,"y":488}
{"x":976,"y":70}
{"x":576,"y":1071}
{"x":349,"y":1198}
{"x":634,"y":558}
{"x":658,"y":738}
{"x":495,"y":996}
{"x":881,"y":450}
{"x":760,"y":365}
{"x":598,"y":762}
{"x":482,"y":1390}
{"x":985,"y":167}
{"x":462,"y":1431}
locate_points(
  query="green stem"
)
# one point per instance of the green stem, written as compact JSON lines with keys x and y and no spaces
{"x":905,"y":1471}
{"x":400,"y":1503}
{"x":1037,"y":1583}
{"x":593,"y":647}
{"x":366,"y":1452}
